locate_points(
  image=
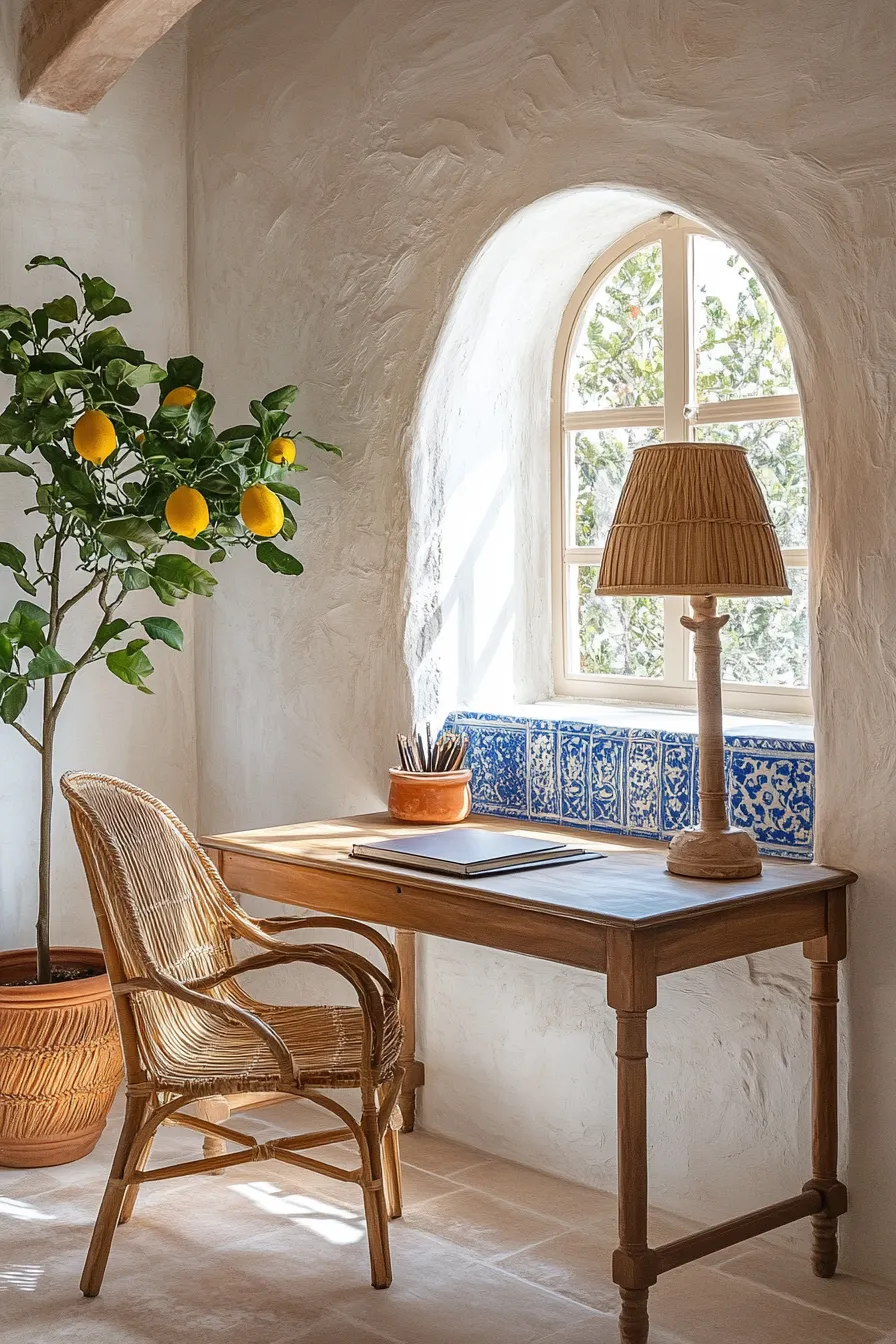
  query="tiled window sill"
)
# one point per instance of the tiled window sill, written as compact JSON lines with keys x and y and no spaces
{"x":633,"y":770}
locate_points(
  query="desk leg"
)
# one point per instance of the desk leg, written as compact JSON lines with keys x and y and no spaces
{"x":631,"y":990}
{"x":406,"y":947}
{"x":824,"y":955}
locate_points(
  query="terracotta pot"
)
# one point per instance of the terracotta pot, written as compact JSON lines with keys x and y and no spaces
{"x":60,"y":1060}
{"x":431,"y":800}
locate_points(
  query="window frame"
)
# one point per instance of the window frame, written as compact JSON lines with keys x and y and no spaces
{"x":677,"y":686}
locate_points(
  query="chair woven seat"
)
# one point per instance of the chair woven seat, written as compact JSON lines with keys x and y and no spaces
{"x":325,"y":1044}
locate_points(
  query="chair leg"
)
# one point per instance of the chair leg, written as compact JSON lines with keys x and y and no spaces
{"x":133,"y":1190}
{"x":392,"y":1169}
{"x":113,"y":1198}
{"x":217,"y":1110}
{"x":375,"y":1201}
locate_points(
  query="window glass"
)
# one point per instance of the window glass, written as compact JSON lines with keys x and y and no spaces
{"x":777,"y":452}
{"x":740,"y":344}
{"x":618,"y":360}
{"x":600,"y":463}
{"x":618,"y":636}
{"x":766,"y":640}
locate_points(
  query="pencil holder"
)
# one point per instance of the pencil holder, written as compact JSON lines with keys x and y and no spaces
{"x":430,"y":799}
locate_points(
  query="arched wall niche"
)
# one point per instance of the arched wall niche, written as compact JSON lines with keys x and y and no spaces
{"x":479,"y":629}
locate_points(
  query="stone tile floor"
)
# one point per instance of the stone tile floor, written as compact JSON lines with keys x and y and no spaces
{"x":487,"y":1253}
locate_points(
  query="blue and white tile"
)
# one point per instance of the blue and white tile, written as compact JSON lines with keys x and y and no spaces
{"x":608,"y":781}
{"x":544,"y":791}
{"x":636,"y":781}
{"x":575,"y":775}
{"x":642,"y":784}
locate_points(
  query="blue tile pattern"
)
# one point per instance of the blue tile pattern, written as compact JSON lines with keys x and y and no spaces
{"x":636,"y":781}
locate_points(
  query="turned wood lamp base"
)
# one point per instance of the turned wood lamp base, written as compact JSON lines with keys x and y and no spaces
{"x":713,"y":849}
{"x":714,"y":854}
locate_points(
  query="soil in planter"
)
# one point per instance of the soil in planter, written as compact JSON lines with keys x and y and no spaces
{"x":58,"y":975}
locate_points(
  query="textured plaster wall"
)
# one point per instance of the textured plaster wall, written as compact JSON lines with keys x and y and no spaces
{"x":349,"y":162}
{"x":108,"y":191}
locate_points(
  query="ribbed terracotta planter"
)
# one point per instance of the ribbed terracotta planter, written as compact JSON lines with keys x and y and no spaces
{"x":430,"y":799}
{"x":60,"y":1060}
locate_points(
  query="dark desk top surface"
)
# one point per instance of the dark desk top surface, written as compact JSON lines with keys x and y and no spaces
{"x":629,"y":886}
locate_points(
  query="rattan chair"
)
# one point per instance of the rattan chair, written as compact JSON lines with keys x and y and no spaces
{"x":189,"y":1031}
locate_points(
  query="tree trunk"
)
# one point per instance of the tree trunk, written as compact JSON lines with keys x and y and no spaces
{"x":46,"y":835}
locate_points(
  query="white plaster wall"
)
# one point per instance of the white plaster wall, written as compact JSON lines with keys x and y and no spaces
{"x":349,"y":161}
{"x":108,"y":191}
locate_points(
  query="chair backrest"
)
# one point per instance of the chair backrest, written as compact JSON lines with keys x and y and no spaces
{"x":159,"y":902}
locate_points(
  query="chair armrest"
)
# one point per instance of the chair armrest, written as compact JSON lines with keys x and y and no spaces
{"x":282,"y":923}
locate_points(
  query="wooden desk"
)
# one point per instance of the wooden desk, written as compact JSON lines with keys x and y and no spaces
{"x":624,"y":916}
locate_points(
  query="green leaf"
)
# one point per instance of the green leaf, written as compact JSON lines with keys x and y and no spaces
{"x":289,"y":528}
{"x":134,"y":578}
{"x":114,"y":308}
{"x":261,"y":414}
{"x":281,"y":398}
{"x":75,"y":484}
{"x":51,"y":421}
{"x":285,"y":491}
{"x":6,"y":653}
{"x":324,"y":447}
{"x":14,"y":429}
{"x":110,"y":351}
{"x":10,"y":316}
{"x":110,"y":630}
{"x":47,"y":663}
{"x":29,"y":611}
{"x":52,"y":361}
{"x":97,"y":293}
{"x":130,"y":667}
{"x":180,"y":572}
{"x":11,"y":556}
{"x":238,"y":434}
{"x":281,"y":562}
{"x":166,"y":593}
{"x":48,"y":261}
{"x":14,"y":701}
{"x":25,"y":584}
{"x":99,"y":340}
{"x":200,"y":413}
{"x":163,"y":628}
{"x":37,"y":386}
{"x":62,"y":310}
{"x":136,"y":530}
{"x":183,"y":372}
{"x":144,"y":374}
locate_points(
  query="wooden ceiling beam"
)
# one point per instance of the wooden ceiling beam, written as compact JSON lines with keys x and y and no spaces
{"x":73,"y":51}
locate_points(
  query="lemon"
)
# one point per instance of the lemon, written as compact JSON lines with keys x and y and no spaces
{"x":261,"y":511}
{"x":282,"y":451}
{"x":186,"y":512}
{"x":94,"y":437}
{"x":180,"y":396}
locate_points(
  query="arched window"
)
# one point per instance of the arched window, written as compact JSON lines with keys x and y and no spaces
{"x":671,"y":336}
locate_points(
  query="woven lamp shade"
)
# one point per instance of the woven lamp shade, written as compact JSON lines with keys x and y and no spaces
{"x":691,"y":519}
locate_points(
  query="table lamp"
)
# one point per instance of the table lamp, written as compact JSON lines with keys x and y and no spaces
{"x":692,"y":520}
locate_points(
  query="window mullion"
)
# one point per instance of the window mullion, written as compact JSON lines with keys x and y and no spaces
{"x":677,"y":383}
{"x":677,"y":376}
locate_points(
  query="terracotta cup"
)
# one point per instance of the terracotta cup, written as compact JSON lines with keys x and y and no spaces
{"x":430,"y":799}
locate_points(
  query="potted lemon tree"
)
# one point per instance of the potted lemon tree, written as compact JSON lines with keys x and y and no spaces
{"x":122,"y":503}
